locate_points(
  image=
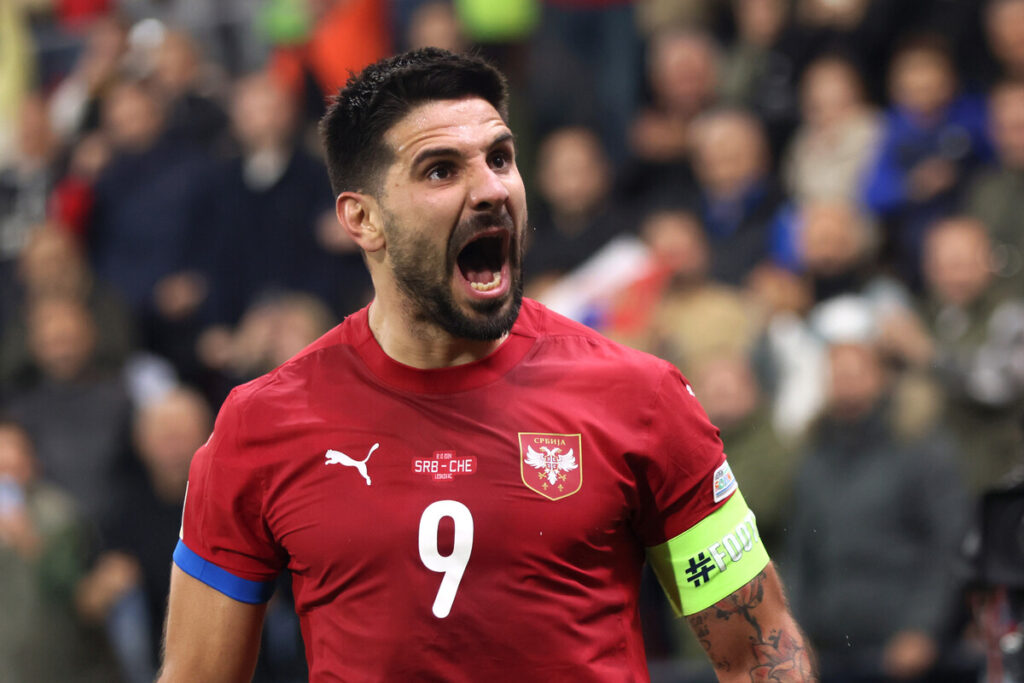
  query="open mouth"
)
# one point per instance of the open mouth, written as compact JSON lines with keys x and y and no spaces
{"x":483,"y":261}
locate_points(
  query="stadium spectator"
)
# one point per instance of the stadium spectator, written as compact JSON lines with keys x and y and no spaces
{"x":146,"y":232}
{"x":263,"y":215}
{"x":696,"y":316}
{"x":26,"y":180}
{"x":138,"y":533}
{"x":833,"y":145}
{"x":730,"y":393}
{"x":738,"y":197}
{"x":76,"y":415}
{"x":933,"y":138}
{"x":585,"y":69}
{"x":654,"y":15}
{"x":43,"y":549}
{"x":272,"y":330}
{"x":682,"y":73}
{"x":996,"y":196}
{"x":863,"y":30}
{"x":877,"y":519}
{"x":837,"y":247}
{"x":224,"y":28}
{"x":436,"y":24}
{"x":677,"y":258}
{"x":193,"y":115}
{"x":53,"y":265}
{"x":579,"y":213}
{"x":762,"y":67}
{"x":788,"y":354}
{"x":973,"y":342}
{"x":146,"y":201}
{"x":838,"y":16}
{"x":75,"y":103}
{"x":1004,"y":28}
{"x":73,"y":197}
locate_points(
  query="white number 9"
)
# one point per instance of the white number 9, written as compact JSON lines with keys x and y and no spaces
{"x":452,"y":565}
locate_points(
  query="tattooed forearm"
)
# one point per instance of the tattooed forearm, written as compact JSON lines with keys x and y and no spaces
{"x":742,"y":602}
{"x":700,"y":628}
{"x":745,"y":632}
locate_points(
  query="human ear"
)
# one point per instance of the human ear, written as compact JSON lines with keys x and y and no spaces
{"x":359,"y":216}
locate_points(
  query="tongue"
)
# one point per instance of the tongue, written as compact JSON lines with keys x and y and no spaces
{"x":481,"y":276}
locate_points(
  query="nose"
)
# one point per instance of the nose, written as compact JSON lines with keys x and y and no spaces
{"x":487,"y":189}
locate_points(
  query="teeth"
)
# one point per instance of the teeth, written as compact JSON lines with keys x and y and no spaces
{"x":487,"y":286}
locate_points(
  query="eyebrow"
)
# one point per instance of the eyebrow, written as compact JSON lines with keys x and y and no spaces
{"x":435,"y":152}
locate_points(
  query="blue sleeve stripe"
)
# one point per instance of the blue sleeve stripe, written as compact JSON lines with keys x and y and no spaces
{"x":243,"y":590}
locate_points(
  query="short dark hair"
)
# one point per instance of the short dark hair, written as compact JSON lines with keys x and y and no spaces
{"x":371,"y":102}
{"x":931,"y":43}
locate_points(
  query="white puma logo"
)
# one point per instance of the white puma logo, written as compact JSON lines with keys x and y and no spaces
{"x":339,"y":458}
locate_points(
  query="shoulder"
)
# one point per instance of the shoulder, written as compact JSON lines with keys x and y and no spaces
{"x":571,"y":357}
{"x":864,"y":128}
{"x":578,"y":344}
{"x":896,"y":121}
{"x":331,"y":358}
{"x":1006,"y":323}
{"x":969,"y":106}
{"x":986,"y":181}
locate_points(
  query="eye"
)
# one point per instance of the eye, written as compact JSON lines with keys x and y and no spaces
{"x":439,"y":172}
{"x":500,"y":159}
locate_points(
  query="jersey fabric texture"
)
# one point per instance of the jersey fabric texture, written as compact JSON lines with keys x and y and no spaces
{"x":484,"y":521}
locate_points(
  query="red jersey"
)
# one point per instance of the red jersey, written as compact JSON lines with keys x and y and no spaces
{"x":480,"y":522}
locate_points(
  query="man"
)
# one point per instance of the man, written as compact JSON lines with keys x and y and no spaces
{"x":877,"y":513}
{"x":419,"y":469}
{"x":43,"y":546}
{"x":996,"y":195}
{"x":973,"y":345}
{"x":737,"y":199}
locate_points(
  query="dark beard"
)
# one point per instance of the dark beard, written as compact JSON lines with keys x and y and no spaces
{"x":426,"y":283}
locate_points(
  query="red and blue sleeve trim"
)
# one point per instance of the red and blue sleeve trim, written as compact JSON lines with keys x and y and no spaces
{"x":243,"y":590}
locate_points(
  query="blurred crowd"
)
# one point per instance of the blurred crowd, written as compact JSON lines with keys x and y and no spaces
{"x":814,"y":208}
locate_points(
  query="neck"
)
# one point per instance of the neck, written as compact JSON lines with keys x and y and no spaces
{"x":169,"y":489}
{"x":266,"y":147}
{"x":417,"y":343}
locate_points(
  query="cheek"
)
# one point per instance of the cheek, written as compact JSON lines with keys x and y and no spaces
{"x":517,"y":194}
{"x":434,"y":210}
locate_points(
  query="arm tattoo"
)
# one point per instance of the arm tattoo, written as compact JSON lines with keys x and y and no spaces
{"x":780,"y":654}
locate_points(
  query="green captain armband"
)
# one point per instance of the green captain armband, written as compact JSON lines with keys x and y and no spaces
{"x":710,"y":560}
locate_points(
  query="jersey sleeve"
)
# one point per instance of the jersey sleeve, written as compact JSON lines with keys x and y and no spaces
{"x":223,"y":541}
{"x":701,"y":537}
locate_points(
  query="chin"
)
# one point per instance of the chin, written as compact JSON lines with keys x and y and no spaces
{"x":483,"y":320}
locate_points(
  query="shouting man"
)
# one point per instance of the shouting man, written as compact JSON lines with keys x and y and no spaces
{"x":463,"y":485}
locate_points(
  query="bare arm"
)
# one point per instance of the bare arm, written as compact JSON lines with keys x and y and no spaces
{"x":750,"y":635}
{"x":209,"y":636}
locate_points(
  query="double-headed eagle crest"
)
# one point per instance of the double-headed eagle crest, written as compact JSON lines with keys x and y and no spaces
{"x":551,"y":461}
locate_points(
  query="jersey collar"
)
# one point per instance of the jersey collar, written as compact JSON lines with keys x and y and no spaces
{"x":449,"y":380}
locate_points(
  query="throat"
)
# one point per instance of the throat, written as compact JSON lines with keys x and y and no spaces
{"x":421,"y":345}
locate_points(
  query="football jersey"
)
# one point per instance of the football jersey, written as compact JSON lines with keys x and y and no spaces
{"x":487,"y":521}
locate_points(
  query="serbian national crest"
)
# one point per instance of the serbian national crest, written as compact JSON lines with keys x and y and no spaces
{"x":551,"y":464}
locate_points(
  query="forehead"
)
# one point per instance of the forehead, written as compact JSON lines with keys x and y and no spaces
{"x":464,"y":123}
{"x":956,"y":240}
{"x":918,"y":59}
{"x":726,"y":134}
